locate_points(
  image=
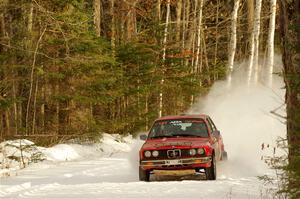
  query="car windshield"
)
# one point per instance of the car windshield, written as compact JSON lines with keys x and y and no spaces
{"x":181,"y":127}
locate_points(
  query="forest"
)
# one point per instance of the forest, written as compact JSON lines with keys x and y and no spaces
{"x":78,"y":68}
{"x":81,"y":67}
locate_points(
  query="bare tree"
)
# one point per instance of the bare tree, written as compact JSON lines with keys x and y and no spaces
{"x":164,"y":55}
{"x":232,"y":45}
{"x":270,"y":58}
{"x":197,"y":67}
{"x":32,"y":79}
{"x":254,"y":50}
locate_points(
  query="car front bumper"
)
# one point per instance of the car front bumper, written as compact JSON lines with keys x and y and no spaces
{"x":171,"y":164}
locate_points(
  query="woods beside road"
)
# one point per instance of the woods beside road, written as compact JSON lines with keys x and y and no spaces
{"x":73,"y":69}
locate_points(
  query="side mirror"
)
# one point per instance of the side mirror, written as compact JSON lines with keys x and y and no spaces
{"x":216,"y":133}
{"x":143,"y":137}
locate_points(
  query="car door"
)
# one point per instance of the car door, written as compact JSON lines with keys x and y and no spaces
{"x":217,"y":137}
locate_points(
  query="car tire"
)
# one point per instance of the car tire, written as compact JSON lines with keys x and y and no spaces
{"x":144,"y":175}
{"x":224,"y":156}
{"x":211,"y":172}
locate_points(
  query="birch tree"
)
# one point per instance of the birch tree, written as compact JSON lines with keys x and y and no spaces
{"x":191,"y":40}
{"x":232,"y":46}
{"x":76,"y":82}
{"x":198,"y":68}
{"x":254,"y":50}
{"x":186,"y":14}
{"x":270,"y":58}
{"x":164,"y":55}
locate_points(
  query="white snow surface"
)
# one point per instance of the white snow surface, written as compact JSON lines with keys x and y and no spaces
{"x":240,"y":107}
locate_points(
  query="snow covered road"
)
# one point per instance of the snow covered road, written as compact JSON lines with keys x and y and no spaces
{"x":114,"y":177}
{"x":241,"y":109}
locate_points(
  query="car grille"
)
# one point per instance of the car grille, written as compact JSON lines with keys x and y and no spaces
{"x":173,"y":153}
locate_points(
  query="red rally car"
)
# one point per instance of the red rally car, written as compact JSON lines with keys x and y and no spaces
{"x":184,"y":144}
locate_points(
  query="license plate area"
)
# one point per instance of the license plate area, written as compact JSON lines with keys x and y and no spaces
{"x":173,"y":162}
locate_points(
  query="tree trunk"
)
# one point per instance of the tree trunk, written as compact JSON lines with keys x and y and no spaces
{"x":146,"y":112}
{"x":193,"y":37}
{"x":34,"y":107}
{"x":131,"y":21}
{"x":205,"y":57}
{"x":30,"y":18}
{"x":158,"y":10}
{"x":232,"y":46}
{"x":57,"y":110}
{"x":215,"y":77}
{"x":164,"y":57}
{"x":254,"y":50}
{"x":187,"y":21}
{"x":32,"y":80}
{"x":290,"y":39}
{"x":7,"y":123}
{"x":2,"y":25}
{"x":43,"y":110}
{"x":15,"y":107}
{"x":113,"y":28}
{"x":250,"y":14}
{"x":250,"y":18}
{"x":257,"y":31}
{"x":178,"y":21}
{"x":198,"y":68}
{"x":271,"y":34}
{"x":97,"y":17}
{"x":183,"y":26}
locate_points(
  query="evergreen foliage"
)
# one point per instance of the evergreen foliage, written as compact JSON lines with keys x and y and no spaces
{"x":57,"y":77}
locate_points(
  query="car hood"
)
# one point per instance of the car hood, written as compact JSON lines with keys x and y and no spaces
{"x":167,"y":143}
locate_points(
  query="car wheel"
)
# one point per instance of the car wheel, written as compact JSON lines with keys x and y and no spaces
{"x":224,"y":156}
{"x":144,"y":175}
{"x":211,"y":172}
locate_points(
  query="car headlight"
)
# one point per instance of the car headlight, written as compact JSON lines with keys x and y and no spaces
{"x":192,"y":152}
{"x":200,"y":151}
{"x":147,"y":154}
{"x":155,"y":153}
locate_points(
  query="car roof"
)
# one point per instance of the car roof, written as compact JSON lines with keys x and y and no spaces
{"x":183,"y":116}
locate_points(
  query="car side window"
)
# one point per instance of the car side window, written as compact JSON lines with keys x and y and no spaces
{"x":211,"y":124}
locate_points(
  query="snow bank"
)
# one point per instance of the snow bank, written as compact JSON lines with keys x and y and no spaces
{"x":16,"y":154}
{"x":61,"y":152}
{"x":109,"y":145}
{"x":11,"y":152}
